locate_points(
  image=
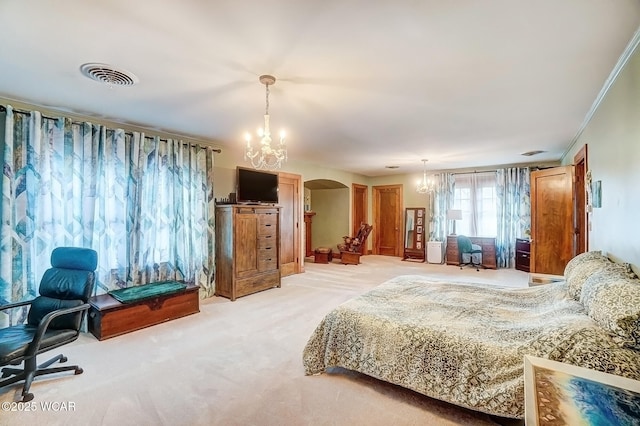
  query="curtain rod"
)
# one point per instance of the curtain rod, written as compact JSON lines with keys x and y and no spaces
{"x":19,"y":111}
{"x":474,"y":172}
{"x":530,"y":166}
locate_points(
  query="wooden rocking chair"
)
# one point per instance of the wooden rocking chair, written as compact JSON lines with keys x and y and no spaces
{"x":352,"y":247}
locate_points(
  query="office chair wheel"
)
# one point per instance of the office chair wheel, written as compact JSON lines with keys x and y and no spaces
{"x":63,"y":359}
{"x":27,"y":397}
{"x":78,"y":371}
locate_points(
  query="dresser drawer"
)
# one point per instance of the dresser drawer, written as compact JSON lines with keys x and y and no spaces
{"x":523,"y":260}
{"x":523,"y":245}
{"x":257,"y":283}
{"x":489,"y":260}
{"x":271,"y":219}
{"x":453,"y":256}
{"x":269,"y":264}
{"x":268,"y":228}
{"x":266,"y":253}
{"x":266,"y":241}
{"x":489,"y":250}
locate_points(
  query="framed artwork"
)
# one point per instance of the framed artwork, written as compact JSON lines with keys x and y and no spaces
{"x":419,"y":237}
{"x":419,"y":213}
{"x":419,"y":222}
{"x":419,"y":245}
{"x":419,"y":229}
{"x":597,"y":194}
{"x":558,"y":393}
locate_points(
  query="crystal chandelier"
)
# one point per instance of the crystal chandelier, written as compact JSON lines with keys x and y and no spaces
{"x":266,"y":156}
{"x":425,"y":185}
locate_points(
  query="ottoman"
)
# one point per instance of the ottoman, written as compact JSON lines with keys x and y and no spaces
{"x":323,"y":255}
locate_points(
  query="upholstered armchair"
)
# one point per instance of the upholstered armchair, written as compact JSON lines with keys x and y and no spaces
{"x":54,"y":318}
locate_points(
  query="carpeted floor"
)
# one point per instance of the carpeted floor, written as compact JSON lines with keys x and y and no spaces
{"x":240,"y":363}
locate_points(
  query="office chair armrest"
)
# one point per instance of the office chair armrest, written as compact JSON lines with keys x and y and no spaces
{"x":44,"y":325}
{"x":15,"y":305}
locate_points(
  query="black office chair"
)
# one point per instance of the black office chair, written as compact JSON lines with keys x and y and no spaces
{"x":465,"y":246}
{"x":54,"y":318}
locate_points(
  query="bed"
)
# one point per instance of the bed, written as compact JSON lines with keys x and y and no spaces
{"x":465,"y":343}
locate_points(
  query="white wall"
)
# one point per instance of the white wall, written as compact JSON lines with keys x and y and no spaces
{"x":612,"y":137}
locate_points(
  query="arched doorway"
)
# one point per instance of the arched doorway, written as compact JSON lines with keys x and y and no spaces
{"x":329,"y":200}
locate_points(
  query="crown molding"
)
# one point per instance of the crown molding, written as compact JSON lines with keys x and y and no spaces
{"x":622,"y":61}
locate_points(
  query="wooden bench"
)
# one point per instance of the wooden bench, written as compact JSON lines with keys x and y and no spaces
{"x":110,"y":318}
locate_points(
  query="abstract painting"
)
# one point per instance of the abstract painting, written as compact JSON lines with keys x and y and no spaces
{"x":563,"y":394}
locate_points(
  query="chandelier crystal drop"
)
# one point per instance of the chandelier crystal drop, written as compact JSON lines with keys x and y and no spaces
{"x":266,"y":156}
{"x":425,"y":186}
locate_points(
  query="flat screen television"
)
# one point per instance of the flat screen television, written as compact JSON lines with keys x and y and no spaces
{"x":255,"y":186}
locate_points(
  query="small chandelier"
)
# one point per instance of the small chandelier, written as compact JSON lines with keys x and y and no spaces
{"x":425,"y":185}
{"x":266,"y":156}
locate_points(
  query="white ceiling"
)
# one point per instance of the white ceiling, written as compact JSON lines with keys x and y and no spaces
{"x":361,"y":84}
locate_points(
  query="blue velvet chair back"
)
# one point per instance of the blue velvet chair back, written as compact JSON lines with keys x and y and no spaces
{"x":464,"y":244}
{"x":68,"y":283}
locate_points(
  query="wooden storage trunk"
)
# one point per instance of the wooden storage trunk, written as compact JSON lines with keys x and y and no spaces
{"x":109,"y":318}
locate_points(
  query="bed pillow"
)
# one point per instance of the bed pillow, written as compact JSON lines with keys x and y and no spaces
{"x":580,"y":268}
{"x":611,"y":298}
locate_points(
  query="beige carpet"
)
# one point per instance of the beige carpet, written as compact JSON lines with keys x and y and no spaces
{"x":240,"y":363}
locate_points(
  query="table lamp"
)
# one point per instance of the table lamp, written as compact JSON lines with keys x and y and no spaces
{"x":454,"y":214}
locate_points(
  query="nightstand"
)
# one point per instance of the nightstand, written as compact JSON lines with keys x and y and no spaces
{"x":523,"y":254}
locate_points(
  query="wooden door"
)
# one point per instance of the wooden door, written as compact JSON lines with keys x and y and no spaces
{"x":387,"y":212}
{"x":552,"y":219}
{"x":289,"y":199}
{"x":359,"y":205}
{"x":582,"y":216}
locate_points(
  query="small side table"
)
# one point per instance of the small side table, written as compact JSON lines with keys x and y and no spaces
{"x":542,"y":279}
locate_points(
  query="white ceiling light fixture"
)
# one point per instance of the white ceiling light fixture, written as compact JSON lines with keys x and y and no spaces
{"x":266,"y":156}
{"x":425,"y":186}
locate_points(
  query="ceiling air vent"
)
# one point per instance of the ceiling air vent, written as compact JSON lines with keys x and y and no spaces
{"x":530,"y":153}
{"x":109,"y":75}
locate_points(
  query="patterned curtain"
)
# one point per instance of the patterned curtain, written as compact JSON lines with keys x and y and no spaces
{"x":514,"y":212}
{"x":172,"y":213}
{"x":144,"y":204}
{"x":441,"y":201}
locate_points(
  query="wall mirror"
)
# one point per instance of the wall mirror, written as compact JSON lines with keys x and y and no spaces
{"x":414,"y":226}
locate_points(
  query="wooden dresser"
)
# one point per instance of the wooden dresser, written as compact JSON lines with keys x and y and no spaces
{"x":247,"y":249}
{"x":488,"y":245}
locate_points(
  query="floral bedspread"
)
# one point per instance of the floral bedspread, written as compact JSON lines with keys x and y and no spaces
{"x":462,"y":343}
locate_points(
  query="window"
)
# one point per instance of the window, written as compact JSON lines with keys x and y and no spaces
{"x":475,"y":195}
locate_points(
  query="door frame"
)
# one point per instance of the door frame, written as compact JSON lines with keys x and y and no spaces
{"x":363,"y":204}
{"x":376,"y":218}
{"x":298,"y":215}
{"x":580,"y":160}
